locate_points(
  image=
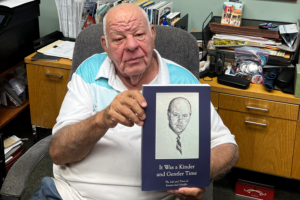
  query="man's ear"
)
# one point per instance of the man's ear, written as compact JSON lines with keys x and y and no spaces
{"x":103,"y":43}
{"x":169,"y":115}
{"x":153,"y":31}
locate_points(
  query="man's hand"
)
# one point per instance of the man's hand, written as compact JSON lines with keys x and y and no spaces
{"x":127,"y":108}
{"x":188,"y":193}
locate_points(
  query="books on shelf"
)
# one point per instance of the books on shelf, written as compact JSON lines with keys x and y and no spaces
{"x":173,"y":17}
{"x":232,"y":14}
{"x":10,"y":141}
{"x":162,"y":11}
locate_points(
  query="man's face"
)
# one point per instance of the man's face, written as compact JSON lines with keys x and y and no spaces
{"x":179,"y":116}
{"x":130,"y":43}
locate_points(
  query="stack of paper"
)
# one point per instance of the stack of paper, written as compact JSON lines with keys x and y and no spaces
{"x":63,"y":50}
{"x":288,"y":33}
{"x":11,"y":145}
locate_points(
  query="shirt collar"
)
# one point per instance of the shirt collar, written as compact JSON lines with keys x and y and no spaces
{"x":107,"y":70}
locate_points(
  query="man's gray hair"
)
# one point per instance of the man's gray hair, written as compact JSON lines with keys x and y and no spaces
{"x":104,"y":21}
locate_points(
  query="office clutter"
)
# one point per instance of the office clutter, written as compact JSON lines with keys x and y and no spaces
{"x":263,"y":52}
{"x":13,"y":149}
{"x":76,"y":15}
{"x":13,"y":88}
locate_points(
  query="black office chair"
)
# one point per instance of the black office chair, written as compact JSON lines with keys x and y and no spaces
{"x":172,"y":43}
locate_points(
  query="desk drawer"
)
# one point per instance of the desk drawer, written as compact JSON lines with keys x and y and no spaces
{"x":214,"y":96}
{"x":47,"y":88}
{"x":267,"y":149}
{"x":257,"y":106}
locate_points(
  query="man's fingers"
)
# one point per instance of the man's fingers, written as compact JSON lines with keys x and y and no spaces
{"x":137,"y":96}
{"x":196,"y":192}
{"x":119,"y":118}
{"x":129,"y":114}
{"x":128,"y":100}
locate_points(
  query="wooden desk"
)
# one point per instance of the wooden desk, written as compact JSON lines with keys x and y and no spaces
{"x":266,"y":131}
{"x":47,"y":85}
{"x":273,"y":149}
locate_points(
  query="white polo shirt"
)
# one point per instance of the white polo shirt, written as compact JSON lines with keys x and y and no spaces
{"x":112,"y":170}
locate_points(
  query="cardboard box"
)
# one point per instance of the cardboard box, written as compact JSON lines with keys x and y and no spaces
{"x":254,"y":190}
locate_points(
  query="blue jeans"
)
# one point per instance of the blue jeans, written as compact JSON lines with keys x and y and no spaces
{"x":46,"y":191}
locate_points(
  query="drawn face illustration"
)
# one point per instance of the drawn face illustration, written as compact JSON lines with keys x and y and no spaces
{"x":179,"y":115}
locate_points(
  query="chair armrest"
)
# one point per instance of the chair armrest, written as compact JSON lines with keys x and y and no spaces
{"x":15,"y":181}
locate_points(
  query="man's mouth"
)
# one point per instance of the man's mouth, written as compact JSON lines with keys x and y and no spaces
{"x":178,"y":126}
{"x":133,"y":61}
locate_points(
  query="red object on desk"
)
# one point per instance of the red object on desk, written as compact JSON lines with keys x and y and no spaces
{"x":254,"y":190}
{"x":89,"y":21}
{"x":15,"y":156}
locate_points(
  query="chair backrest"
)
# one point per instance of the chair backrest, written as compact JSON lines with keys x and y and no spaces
{"x":172,"y":43}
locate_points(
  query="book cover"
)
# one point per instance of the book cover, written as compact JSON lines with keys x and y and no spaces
{"x":232,"y":14}
{"x":174,"y":16}
{"x":176,"y":137}
{"x":162,"y":11}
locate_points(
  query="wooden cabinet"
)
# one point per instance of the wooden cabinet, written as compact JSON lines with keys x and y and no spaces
{"x":215,"y":99}
{"x":266,"y":126}
{"x":47,"y":85}
{"x":266,"y":146}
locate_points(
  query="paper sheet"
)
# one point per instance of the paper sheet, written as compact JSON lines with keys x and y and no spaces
{"x":13,"y":3}
{"x":63,"y":50}
{"x":46,"y":48}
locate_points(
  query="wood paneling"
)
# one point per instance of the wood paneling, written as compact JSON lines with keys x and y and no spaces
{"x":296,"y":158}
{"x":46,"y":93}
{"x":214,"y":96}
{"x":267,"y":149}
{"x":275,"y":109}
{"x":254,"y":91}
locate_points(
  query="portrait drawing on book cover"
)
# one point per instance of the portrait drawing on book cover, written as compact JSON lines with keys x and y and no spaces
{"x":177,"y":126}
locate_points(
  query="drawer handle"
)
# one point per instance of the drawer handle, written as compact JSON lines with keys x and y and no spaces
{"x":261,"y":109}
{"x":54,"y":75}
{"x":260,"y":124}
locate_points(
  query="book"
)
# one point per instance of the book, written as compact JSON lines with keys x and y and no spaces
{"x":8,"y":149}
{"x":13,"y":158}
{"x":162,"y":11}
{"x":10,"y":141}
{"x":173,"y":17}
{"x":140,"y":3}
{"x":232,"y":14}
{"x":13,"y":150}
{"x":148,"y":4}
{"x":176,"y":137}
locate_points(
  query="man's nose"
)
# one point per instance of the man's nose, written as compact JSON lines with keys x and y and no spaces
{"x":131,"y":43}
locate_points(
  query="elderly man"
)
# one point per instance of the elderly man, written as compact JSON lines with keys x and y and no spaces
{"x":173,"y":141}
{"x":96,"y":146}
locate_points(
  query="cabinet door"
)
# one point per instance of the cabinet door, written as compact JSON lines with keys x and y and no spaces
{"x":47,"y":89}
{"x":267,"y":149}
{"x":214,"y":96}
{"x":296,"y":158}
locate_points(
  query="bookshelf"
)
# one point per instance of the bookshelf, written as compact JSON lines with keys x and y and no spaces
{"x":7,"y":114}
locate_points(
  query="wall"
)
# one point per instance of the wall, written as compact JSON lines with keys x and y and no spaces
{"x":198,"y":10}
{"x":274,"y":10}
{"x":48,"y":19}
